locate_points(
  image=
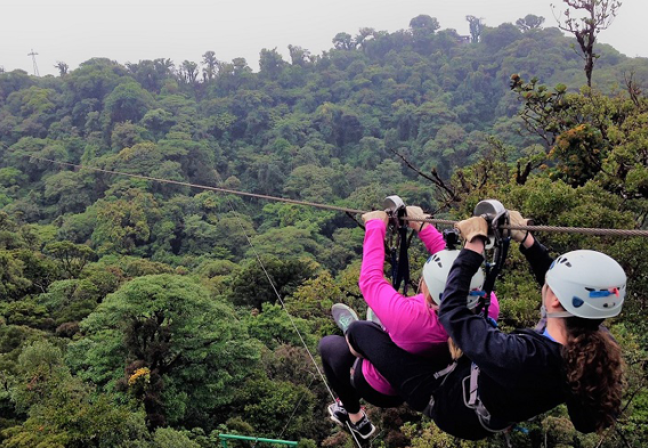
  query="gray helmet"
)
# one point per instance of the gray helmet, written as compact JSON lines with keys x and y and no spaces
{"x":435,"y":275}
{"x":588,"y":284}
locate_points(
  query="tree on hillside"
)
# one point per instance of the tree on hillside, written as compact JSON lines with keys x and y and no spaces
{"x":271,"y":63}
{"x":298,"y":55}
{"x":188,"y":72}
{"x":210,"y":66}
{"x":597,"y":15}
{"x":344,"y":41}
{"x":162,"y":339}
{"x":476,"y":27}
{"x":63,"y":411}
{"x":72,"y":257}
{"x":529,"y":22}
{"x":250,"y":287}
{"x":62,"y":67}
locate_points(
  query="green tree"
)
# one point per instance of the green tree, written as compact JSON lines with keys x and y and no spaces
{"x":529,"y":22}
{"x":210,"y":66}
{"x":191,"y":347}
{"x":250,"y":287}
{"x":271,"y":63}
{"x":72,"y":257}
{"x":597,"y":15}
{"x":127,"y":102}
{"x":124,"y":225}
{"x":344,"y":41}
{"x":62,"y":67}
{"x":476,"y":25}
{"x":268,"y":402}
{"x":188,"y":72}
{"x":13,"y":284}
{"x":273,"y":327}
{"x":62,"y":411}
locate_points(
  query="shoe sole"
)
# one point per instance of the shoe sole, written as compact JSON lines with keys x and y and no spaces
{"x":341,"y":320}
{"x":344,"y":425}
{"x":373,"y":429}
{"x":335,"y":419}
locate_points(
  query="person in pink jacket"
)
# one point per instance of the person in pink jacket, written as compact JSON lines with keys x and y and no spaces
{"x":411,"y":322}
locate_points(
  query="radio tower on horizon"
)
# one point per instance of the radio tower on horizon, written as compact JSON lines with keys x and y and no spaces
{"x":33,"y":55}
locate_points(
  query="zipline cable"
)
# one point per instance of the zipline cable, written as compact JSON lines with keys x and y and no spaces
{"x":533,"y":228}
{"x":555,"y":229}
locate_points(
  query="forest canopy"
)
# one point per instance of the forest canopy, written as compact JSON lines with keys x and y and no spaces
{"x":136,"y":313}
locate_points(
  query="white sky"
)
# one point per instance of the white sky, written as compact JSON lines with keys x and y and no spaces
{"x":74,"y":31}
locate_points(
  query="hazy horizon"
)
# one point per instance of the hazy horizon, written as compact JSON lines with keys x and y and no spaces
{"x":74,"y":31}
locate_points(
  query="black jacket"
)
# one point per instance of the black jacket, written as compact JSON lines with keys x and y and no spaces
{"x":521,"y":373}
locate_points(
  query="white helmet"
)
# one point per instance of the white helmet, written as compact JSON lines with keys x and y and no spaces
{"x":435,"y":275}
{"x":588,"y":284}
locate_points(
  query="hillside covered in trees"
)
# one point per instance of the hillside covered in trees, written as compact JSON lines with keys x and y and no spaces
{"x":135,"y":313}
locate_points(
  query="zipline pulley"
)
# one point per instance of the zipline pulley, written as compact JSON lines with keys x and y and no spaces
{"x":499,"y":239}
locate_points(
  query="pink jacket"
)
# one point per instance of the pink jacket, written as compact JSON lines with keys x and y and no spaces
{"x":409,"y":321}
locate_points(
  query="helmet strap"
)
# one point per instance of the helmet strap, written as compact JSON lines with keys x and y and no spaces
{"x":543,"y":313}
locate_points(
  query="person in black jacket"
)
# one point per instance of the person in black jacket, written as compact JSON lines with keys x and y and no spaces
{"x":506,"y":378}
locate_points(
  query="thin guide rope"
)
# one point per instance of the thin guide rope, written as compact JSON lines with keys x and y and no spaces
{"x":292,"y":321}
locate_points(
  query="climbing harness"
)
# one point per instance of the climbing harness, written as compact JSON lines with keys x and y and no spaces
{"x":499,"y":239}
{"x":472,"y":401}
{"x":398,"y":242}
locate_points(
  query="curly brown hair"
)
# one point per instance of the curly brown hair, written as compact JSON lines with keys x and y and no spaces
{"x":595,"y":369}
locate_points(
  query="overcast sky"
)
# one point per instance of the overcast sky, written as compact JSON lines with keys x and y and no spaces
{"x":74,"y":31}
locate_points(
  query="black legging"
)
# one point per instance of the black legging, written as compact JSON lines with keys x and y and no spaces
{"x":338,"y":361}
{"x":411,"y":375}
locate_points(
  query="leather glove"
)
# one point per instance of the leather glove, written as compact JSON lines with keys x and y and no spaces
{"x":473,"y":227}
{"x":378,"y":214}
{"x":414,"y":212}
{"x":517,"y":221}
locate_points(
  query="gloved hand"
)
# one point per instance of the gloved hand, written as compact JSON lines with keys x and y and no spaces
{"x":473,"y":227}
{"x":378,"y":214}
{"x":518,"y":221}
{"x":414,"y":212}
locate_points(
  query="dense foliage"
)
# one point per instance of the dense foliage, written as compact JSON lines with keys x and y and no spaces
{"x":135,"y":313}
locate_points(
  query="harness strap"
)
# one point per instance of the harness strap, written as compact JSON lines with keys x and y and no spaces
{"x":492,"y":271}
{"x":402,"y":272}
{"x":472,"y":401}
{"x":447,"y":371}
{"x":473,"y":397}
{"x":441,"y":373}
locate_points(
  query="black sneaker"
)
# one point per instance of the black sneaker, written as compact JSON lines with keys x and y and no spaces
{"x":338,"y":414}
{"x":363,"y":427}
{"x":343,"y":316}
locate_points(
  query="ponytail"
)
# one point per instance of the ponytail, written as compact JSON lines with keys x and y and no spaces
{"x":455,"y":351}
{"x":594,"y":368}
